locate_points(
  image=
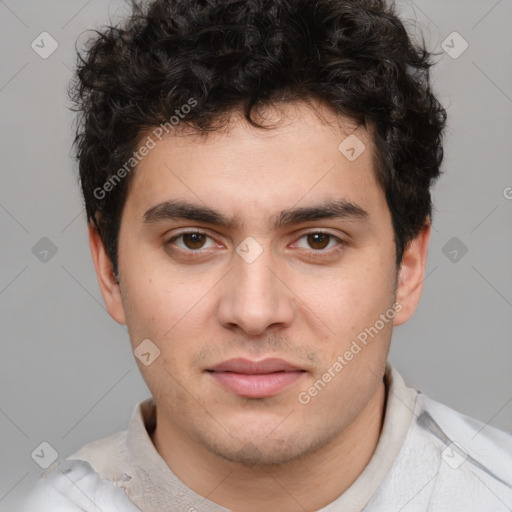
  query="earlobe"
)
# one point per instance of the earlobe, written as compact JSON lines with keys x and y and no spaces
{"x":411,"y":275}
{"x":107,"y":281}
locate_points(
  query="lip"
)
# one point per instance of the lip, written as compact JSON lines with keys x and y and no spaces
{"x":256,"y":379}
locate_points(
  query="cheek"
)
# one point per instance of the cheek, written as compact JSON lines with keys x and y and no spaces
{"x":155,"y":296}
{"x":350,"y":298}
{"x":172,"y":314}
{"x":143,"y":307}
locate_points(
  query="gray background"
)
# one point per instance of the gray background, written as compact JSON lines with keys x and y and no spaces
{"x":67,"y":372}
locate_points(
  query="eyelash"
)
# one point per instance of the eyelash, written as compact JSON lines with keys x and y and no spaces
{"x":320,"y":253}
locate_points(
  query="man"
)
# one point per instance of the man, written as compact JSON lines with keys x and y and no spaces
{"x":256,"y":177}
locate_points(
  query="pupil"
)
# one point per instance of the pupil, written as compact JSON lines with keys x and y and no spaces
{"x":193,"y":240}
{"x":319,"y":239}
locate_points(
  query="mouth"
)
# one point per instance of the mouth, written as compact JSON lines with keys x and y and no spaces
{"x":256,"y":379}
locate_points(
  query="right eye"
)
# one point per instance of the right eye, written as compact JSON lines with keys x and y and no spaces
{"x":191,"y":241}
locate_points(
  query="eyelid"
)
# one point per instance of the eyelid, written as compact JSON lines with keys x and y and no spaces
{"x":188,"y":232}
{"x":324,"y":231}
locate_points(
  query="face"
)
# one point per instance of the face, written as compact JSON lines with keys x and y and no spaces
{"x":262,"y":266}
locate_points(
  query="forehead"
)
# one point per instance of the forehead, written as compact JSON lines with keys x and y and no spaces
{"x":307,"y":157}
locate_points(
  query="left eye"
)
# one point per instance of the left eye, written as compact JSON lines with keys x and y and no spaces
{"x":319,"y":241}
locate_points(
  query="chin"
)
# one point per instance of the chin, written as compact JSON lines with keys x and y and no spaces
{"x":259,"y":454}
{"x":260,"y":451}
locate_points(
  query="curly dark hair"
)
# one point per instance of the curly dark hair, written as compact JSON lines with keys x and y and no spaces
{"x":355,"y":56}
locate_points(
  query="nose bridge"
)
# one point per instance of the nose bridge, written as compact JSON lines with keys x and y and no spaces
{"x":254,"y":298}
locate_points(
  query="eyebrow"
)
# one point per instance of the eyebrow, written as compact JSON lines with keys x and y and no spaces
{"x":185,"y":210}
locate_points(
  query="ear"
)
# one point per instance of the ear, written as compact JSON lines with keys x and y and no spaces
{"x":411,"y":275}
{"x":106,"y":279}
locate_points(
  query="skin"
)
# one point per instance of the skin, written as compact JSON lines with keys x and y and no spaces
{"x":300,"y":300}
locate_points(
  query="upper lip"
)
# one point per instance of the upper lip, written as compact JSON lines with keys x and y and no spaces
{"x":240,"y":365}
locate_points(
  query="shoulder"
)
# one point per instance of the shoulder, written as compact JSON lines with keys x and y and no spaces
{"x":87,"y":477}
{"x":74,"y":485}
{"x":481,"y":444}
{"x":108,"y":456}
{"x":450,"y":462}
{"x":475,"y":459}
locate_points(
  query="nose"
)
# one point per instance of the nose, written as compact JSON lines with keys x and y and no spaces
{"x":254,"y":297}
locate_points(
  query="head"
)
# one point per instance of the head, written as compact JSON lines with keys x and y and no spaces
{"x":257,"y":185}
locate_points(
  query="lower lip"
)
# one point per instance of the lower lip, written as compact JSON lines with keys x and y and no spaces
{"x":258,"y":385}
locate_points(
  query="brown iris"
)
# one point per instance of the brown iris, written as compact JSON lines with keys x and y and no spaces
{"x":194,"y":240}
{"x":318,"y":240}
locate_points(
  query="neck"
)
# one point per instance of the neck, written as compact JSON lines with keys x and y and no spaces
{"x":294,"y":487}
